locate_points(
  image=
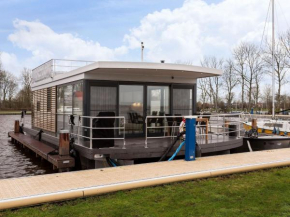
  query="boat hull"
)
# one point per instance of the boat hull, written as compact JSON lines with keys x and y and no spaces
{"x":266,"y":143}
{"x":266,"y":131}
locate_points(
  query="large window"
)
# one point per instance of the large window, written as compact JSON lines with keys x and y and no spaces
{"x":131,"y":106}
{"x":182,"y":101}
{"x":158,"y":100}
{"x":60,"y":108}
{"x":103,"y":99}
{"x":78,"y":99}
{"x":69,"y":101}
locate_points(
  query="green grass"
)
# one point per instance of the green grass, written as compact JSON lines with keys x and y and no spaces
{"x":12,"y":112}
{"x":262,"y":193}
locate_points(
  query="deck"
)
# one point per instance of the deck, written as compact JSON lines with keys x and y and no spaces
{"x":25,"y":191}
{"x":43,"y":150}
{"x":135,"y":147}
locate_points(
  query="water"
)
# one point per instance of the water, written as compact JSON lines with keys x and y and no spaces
{"x":14,"y":160}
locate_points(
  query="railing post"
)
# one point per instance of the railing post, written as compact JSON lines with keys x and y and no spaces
{"x":79,"y":130}
{"x":124,"y":144}
{"x":91,"y":133}
{"x":224,"y":124}
{"x":190,"y":139}
{"x":146,"y":146}
{"x":239,"y":126}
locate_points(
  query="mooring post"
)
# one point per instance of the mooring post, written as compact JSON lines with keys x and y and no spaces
{"x":190,"y":138}
{"x":63,"y":142}
{"x":16,"y":126}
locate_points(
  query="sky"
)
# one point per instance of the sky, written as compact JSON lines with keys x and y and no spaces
{"x":35,"y":31}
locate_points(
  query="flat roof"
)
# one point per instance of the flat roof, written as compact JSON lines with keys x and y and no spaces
{"x":131,"y":71}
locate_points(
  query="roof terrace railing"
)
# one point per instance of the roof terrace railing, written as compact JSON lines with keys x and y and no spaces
{"x":56,"y":66}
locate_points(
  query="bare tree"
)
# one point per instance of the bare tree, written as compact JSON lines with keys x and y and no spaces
{"x":213,"y":82}
{"x":267,"y":95}
{"x":254,"y":65}
{"x":0,"y":62}
{"x":26,"y":82}
{"x":285,"y":42}
{"x":12,"y":87}
{"x":202,"y":86}
{"x":239,"y":55}
{"x":281,"y":63}
{"x":5,"y":84}
{"x":230,"y":80}
{"x":2,"y":76}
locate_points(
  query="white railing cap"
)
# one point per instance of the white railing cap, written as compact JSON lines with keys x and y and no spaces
{"x":63,"y":131}
{"x":191,"y":117}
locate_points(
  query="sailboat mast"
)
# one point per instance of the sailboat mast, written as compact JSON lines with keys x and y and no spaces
{"x":273,"y":60}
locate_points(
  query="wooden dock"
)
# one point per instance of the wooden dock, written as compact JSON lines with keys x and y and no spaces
{"x":44,"y":151}
{"x":26,"y":191}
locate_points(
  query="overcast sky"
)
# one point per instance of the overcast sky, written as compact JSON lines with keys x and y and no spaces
{"x":35,"y":31}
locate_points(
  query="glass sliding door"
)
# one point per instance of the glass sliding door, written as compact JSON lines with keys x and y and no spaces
{"x":157,"y":100}
{"x":103,"y":103}
{"x":131,"y":107}
{"x":157,"y":105}
{"x":69,"y":102}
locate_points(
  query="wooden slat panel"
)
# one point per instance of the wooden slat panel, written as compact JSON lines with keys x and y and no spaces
{"x":43,"y":118}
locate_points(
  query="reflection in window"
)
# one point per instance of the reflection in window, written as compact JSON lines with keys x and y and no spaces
{"x":103,"y":99}
{"x":182,"y":101}
{"x":78,"y":99}
{"x":69,"y":101}
{"x":67,"y":93}
{"x":131,"y":106}
{"x":60,"y":100}
{"x":157,"y":100}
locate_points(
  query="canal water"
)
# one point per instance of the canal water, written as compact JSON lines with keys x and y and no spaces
{"x":14,"y":160}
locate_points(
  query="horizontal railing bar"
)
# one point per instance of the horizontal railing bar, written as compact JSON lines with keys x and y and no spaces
{"x":96,"y":138}
{"x":119,"y":117}
{"x":100,"y":128}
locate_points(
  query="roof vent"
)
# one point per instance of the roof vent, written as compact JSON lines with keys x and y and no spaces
{"x":162,"y":61}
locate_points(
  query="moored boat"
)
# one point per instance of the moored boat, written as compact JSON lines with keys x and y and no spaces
{"x":265,"y":143}
{"x":267,"y":126}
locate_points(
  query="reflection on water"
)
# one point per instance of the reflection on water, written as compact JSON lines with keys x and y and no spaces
{"x":14,"y":160}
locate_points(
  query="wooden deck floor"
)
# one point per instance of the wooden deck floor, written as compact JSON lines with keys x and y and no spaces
{"x":43,"y":150}
{"x":135,"y":147}
{"x":43,"y":188}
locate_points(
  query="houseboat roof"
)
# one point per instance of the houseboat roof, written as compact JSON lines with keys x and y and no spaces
{"x":57,"y":72}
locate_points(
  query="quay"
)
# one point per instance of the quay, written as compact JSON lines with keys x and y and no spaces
{"x":27,"y":191}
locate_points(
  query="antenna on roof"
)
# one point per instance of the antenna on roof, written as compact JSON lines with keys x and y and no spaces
{"x":142,"y":48}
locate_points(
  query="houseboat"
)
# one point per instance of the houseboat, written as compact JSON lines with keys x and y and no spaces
{"x":129,"y":111}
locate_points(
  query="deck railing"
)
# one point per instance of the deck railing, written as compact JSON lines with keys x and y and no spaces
{"x":248,"y":117}
{"x":87,"y":127}
{"x":214,"y":127}
{"x":209,"y":128}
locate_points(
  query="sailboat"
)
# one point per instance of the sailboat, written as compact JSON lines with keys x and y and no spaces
{"x":279,"y":129}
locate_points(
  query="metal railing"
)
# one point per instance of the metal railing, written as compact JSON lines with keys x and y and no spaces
{"x":248,"y":117}
{"x":82,"y":127}
{"x":56,"y":66}
{"x":217,"y":127}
